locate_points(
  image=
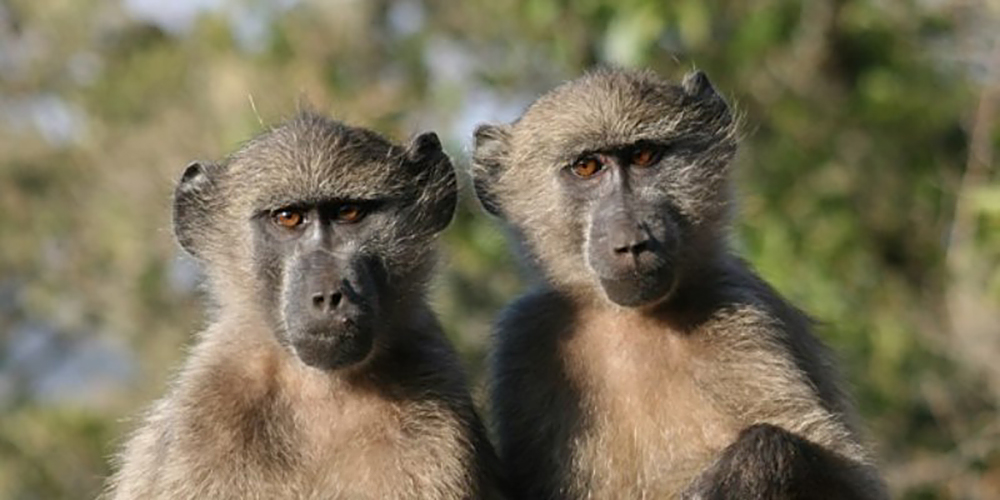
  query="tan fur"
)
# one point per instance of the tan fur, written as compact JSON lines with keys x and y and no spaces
{"x":649,"y":417}
{"x":226,"y":429}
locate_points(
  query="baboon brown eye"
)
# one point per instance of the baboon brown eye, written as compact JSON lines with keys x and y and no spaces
{"x":349,"y":213}
{"x":587,"y":167}
{"x":287,"y":218}
{"x":643,"y":156}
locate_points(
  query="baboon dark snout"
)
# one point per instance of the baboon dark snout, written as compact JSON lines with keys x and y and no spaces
{"x":328,"y":311}
{"x":630,"y":252}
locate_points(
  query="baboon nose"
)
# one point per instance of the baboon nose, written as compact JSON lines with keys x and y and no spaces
{"x":326,"y":302}
{"x":632,"y":247}
{"x":628,"y":239}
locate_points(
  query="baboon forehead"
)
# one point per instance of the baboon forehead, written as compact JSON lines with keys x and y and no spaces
{"x":313,"y":159}
{"x":603,"y":109}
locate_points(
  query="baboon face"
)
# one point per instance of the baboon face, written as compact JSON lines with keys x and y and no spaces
{"x":324,"y":227}
{"x":615,"y":181}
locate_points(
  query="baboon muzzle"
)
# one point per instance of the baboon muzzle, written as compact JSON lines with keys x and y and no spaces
{"x":630,"y":253}
{"x":328,"y":311}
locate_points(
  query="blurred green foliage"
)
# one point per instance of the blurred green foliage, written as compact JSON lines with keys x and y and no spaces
{"x":866,"y":183}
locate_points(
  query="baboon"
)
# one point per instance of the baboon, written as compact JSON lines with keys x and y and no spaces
{"x":651,"y":362}
{"x":323,"y":372}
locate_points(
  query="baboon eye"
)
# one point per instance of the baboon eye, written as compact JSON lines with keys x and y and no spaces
{"x":349,"y":213}
{"x":287,"y":217}
{"x":587,"y":167}
{"x":644,"y":156}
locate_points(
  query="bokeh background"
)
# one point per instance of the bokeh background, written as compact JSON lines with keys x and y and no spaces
{"x":867,"y":186}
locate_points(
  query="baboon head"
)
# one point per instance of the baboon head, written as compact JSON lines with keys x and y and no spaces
{"x":320,"y":229}
{"x":616,"y":182}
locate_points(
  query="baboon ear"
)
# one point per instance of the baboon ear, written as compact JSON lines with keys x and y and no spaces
{"x":439,"y":186}
{"x":192,"y":205}
{"x":697,"y":85}
{"x":489,"y":160}
{"x":424,"y":146}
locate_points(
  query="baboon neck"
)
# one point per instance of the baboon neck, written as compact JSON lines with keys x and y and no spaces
{"x":703,"y":289}
{"x":409,"y":315}
{"x":695,"y":297}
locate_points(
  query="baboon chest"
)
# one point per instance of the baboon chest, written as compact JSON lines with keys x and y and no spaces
{"x":647,"y":425}
{"x":367,"y":447}
{"x":298,"y":436}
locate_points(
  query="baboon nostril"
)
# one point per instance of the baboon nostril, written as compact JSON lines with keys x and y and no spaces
{"x":633,"y":248}
{"x":318,"y":300}
{"x":335,"y":299}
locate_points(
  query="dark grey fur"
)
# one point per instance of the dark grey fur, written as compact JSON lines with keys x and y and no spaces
{"x":665,"y":368}
{"x":246,"y":418}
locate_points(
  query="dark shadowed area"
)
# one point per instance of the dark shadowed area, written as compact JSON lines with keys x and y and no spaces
{"x":867,"y":186}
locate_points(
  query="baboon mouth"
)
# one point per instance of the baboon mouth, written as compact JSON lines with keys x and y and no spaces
{"x":638,"y":289}
{"x":333,"y":349}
